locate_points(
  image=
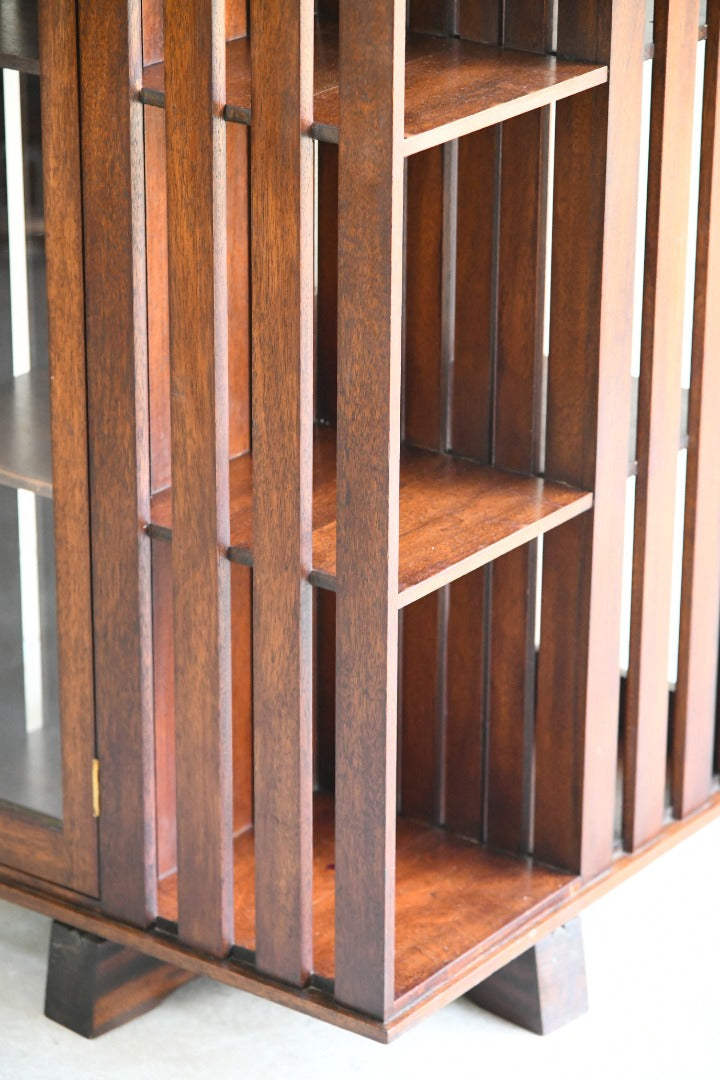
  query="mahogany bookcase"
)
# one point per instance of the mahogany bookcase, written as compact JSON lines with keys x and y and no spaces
{"x":341,"y":310}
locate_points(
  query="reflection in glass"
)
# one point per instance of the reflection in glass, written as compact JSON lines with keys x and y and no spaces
{"x":30,"y":759}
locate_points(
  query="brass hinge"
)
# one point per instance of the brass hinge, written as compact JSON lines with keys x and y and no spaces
{"x":96,"y":788}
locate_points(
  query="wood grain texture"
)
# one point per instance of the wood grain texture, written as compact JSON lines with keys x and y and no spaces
{"x":164,"y":708}
{"x":158,"y":315}
{"x":94,"y":986}
{"x":696,"y":691}
{"x":480,"y":20}
{"x":597,"y":140}
{"x":522,"y":238}
{"x":116,"y":341}
{"x":153,"y":28}
{"x":369,"y":325}
{"x":422,"y":709}
{"x":195,"y":141}
{"x":282,"y":276}
{"x":67,"y":854}
{"x":542,"y":990}
{"x":659,"y":417}
{"x":454,"y":515}
{"x":453,"y":87}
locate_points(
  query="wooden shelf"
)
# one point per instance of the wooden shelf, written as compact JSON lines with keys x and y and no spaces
{"x":454,"y":515}
{"x":19,"y":36}
{"x":25,"y":454}
{"x":452,"y":87}
{"x":453,"y":899}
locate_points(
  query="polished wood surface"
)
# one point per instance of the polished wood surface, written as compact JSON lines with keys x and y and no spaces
{"x":492,"y":512}
{"x":452,"y":87}
{"x":197,"y":218}
{"x":282,"y":275}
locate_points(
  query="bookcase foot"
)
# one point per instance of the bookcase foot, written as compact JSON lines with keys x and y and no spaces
{"x":94,"y":986}
{"x":543,"y":989}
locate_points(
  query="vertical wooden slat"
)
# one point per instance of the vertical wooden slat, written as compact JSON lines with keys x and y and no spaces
{"x":480,"y":20}
{"x":238,"y":270}
{"x":195,"y":134}
{"x":369,"y":325}
{"x":164,"y":707}
{"x":422,"y":710}
{"x":673,"y":92}
{"x":242,"y":726}
{"x":696,"y":691}
{"x":522,"y":213}
{"x":152,"y":12}
{"x":113,"y":211}
{"x":156,"y":246}
{"x":68,"y":429}
{"x":597,"y":141}
{"x":282,"y":276}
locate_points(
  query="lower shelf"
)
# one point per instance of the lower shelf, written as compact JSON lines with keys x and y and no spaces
{"x":453,"y":898}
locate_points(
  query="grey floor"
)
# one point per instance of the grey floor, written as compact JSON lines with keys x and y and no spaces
{"x":653,"y":961}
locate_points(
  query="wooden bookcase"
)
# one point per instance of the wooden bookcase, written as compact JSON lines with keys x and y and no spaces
{"x":341,"y":325}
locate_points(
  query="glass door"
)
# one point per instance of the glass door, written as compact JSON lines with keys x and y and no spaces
{"x":48,"y":796}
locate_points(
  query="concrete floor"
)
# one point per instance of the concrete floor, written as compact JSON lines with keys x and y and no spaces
{"x":653,"y":960}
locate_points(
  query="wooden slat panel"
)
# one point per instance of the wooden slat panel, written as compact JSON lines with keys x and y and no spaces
{"x":115,"y":289}
{"x":422,"y":709}
{"x":465,"y":702}
{"x":156,"y":246}
{"x":369,"y":325}
{"x":282,"y":275}
{"x":152,"y":12}
{"x":194,"y":44}
{"x":242,"y":710}
{"x":480,"y":20}
{"x":673,"y":93}
{"x":696,"y":691}
{"x":238,"y":269}
{"x":164,"y":708}
{"x":520,"y":311}
{"x":597,"y":140}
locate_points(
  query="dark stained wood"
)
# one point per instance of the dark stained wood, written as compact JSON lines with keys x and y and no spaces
{"x":597,"y":139}
{"x":522,"y":237}
{"x":696,"y":691}
{"x":368,"y":466}
{"x":324,"y":689}
{"x":440,"y":916}
{"x":452,"y":87}
{"x":242,"y":711}
{"x":543,"y":989}
{"x":195,"y":137}
{"x":282,"y":275}
{"x":66,"y":855}
{"x":493,"y":511}
{"x":422,"y":709}
{"x":19,"y":47}
{"x":326,"y":306}
{"x":480,"y":20}
{"x":465,"y":694}
{"x":423,"y":398}
{"x":659,"y":417}
{"x":472,"y":380}
{"x":94,"y":986}
{"x":153,"y":36}
{"x":430,"y":16}
{"x":25,"y":457}
{"x":116,"y":320}
{"x":164,"y":708}
{"x":472,"y":967}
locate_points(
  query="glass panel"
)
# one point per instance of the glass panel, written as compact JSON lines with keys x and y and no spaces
{"x":30,"y":756}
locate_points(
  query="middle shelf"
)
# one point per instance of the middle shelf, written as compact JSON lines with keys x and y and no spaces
{"x":455,"y":515}
{"x":452,"y":87}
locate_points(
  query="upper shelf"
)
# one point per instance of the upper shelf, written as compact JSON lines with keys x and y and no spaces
{"x":455,"y":516}
{"x":25,"y":457}
{"x":452,"y":87}
{"x":19,"y":36}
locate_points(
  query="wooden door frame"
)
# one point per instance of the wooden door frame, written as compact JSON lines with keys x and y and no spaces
{"x":66,"y":852}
